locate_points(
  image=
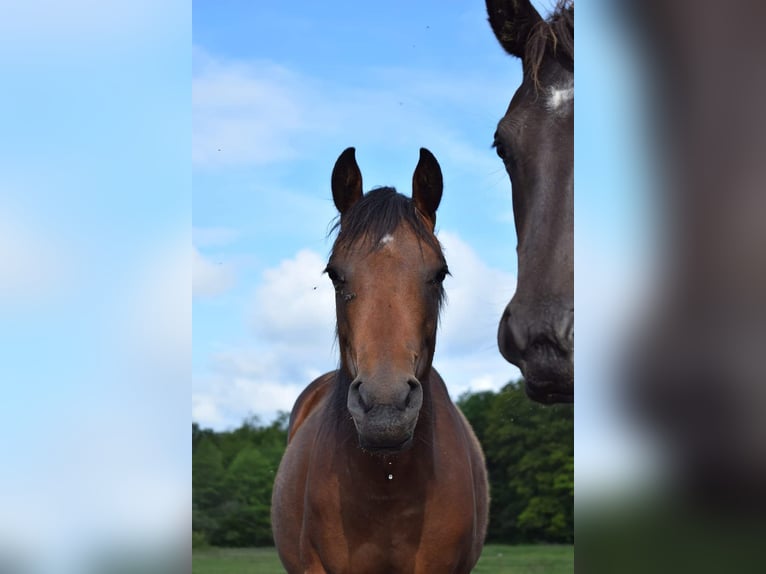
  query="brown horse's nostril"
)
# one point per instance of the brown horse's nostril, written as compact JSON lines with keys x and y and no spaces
{"x":415,"y":395}
{"x":358,"y":404}
{"x":365,"y":397}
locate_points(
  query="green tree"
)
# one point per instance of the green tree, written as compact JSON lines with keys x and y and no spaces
{"x":207,"y":486}
{"x":477,"y":407}
{"x":232,"y":478}
{"x":530,"y":460}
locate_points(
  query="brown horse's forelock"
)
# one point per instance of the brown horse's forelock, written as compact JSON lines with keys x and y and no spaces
{"x":554,"y":35}
{"x":377,"y":214}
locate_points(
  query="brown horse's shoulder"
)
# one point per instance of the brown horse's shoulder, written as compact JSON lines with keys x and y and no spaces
{"x":308,"y":401}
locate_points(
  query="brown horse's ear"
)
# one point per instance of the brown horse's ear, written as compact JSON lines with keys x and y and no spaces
{"x":346,"y":181}
{"x":427,"y":185}
{"x":512,"y":21}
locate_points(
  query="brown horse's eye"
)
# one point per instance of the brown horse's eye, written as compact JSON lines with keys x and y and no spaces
{"x":440,"y":276}
{"x":335,"y":277}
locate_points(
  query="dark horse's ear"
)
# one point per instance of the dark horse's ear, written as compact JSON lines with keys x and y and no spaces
{"x":427,"y":185}
{"x":512,"y":21}
{"x":346,"y":181}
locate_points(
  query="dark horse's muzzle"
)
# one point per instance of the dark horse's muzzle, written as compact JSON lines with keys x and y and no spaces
{"x":385,"y":413}
{"x":540,"y":341}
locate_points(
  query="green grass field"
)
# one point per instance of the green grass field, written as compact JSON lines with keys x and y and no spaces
{"x":496,"y":559}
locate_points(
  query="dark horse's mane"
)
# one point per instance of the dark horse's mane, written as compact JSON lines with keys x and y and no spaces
{"x":554,"y":35}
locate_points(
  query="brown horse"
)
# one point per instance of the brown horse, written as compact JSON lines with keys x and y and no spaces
{"x":382,"y":473}
{"x":535,"y":140}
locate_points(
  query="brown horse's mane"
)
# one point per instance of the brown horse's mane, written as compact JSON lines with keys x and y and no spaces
{"x":554,"y":35}
{"x":377,"y":214}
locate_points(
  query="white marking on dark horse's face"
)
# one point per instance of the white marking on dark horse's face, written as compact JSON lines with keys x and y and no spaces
{"x":559,"y":96}
{"x":386,"y":239}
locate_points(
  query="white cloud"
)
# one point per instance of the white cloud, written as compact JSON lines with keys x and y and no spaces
{"x":205,"y":410}
{"x":258,"y":112}
{"x":476,"y":297}
{"x":466,"y":350}
{"x":483,"y":383}
{"x":243,"y":113}
{"x":225,"y":401}
{"x":296,"y":301}
{"x":209,"y":278}
{"x":292,"y":315}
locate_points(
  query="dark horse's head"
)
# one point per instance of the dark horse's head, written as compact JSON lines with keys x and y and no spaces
{"x":535,"y":140}
{"x":387,"y":268}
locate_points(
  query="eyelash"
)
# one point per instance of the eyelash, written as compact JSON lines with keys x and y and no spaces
{"x":334,"y":276}
{"x":440,"y":276}
{"x":503,"y":152}
{"x":498,"y":149}
{"x":338,"y":282}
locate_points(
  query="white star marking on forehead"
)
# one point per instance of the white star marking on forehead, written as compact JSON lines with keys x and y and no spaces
{"x":559,"y":96}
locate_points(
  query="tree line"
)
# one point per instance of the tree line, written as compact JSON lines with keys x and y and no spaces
{"x":529,"y":450}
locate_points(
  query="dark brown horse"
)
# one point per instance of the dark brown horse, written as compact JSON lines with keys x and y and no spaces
{"x":535,"y":140}
{"x":382,"y":473}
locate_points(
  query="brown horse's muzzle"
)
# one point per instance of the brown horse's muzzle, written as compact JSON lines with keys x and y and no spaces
{"x":385,"y":412}
{"x":540,"y":341}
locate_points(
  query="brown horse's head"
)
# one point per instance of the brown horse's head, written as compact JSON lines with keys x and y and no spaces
{"x":535,"y":140}
{"x":387,"y":268}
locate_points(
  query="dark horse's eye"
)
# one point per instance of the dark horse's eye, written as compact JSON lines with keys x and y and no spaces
{"x":499,"y":148}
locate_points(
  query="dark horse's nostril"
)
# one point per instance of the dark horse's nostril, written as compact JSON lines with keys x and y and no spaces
{"x":519,"y":334}
{"x":547,"y":343}
{"x":565,"y":332}
{"x":542,"y":340}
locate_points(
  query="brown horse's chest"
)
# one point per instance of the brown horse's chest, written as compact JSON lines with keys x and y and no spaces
{"x":381,"y":535}
{"x":360,"y":520}
{"x":384,"y":537}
